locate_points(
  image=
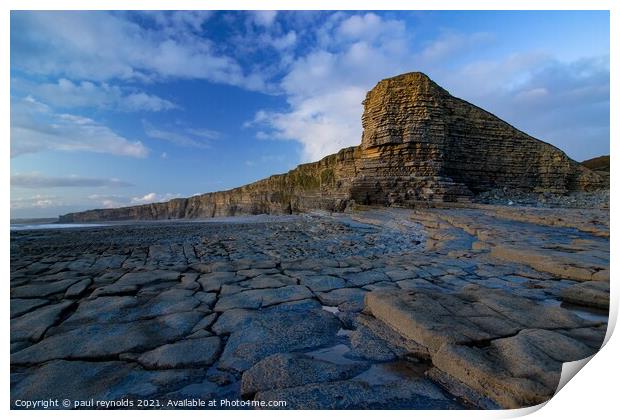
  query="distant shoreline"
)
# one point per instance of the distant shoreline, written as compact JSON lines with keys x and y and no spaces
{"x":33,"y":220}
{"x":49,"y":223}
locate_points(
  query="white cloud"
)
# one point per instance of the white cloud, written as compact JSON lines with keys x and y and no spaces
{"x":35,"y":127}
{"x":563,"y":103}
{"x":110,"y":204}
{"x":199,"y":138}
{"x":323,"y":64}
{"x":285,"y":41}
{"x":67,"y":94}
{"x":109,"y":201}
{"x":323,"y":124}
{"x":370,"y":27}
{"x":264,"y":17}
{"x":172,"y":22}
{"x":451,"y":43}
{"x":533,"y":94}
{"x":38,"y":201}
{"x":266,"y":159}
{"x":144,"y":101}
{"x":36,"y":180}
{"x":153,"y":198}
{"x":101,"y":46}
{"x":325,"y":86}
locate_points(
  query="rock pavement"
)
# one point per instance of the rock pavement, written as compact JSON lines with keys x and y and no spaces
{"x":383,"y":308}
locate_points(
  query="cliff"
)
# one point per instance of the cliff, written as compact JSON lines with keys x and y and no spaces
{"x":601,"y":163}
{"x":419,"y":145}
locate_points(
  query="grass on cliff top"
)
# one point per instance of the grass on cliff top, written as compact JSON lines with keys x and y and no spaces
{"x":600,"y":163}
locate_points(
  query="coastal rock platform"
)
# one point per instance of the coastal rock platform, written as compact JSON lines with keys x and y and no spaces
{"x":448,"y":308}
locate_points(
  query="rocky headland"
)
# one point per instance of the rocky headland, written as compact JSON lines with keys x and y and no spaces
{"x":420,"y":146}
{"x":383,"y":276}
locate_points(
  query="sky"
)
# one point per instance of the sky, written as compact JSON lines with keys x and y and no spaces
{"x":111,"y":109}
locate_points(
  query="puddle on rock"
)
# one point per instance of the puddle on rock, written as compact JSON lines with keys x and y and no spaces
{"x":344,"y":333}
{"x":584,"y":312}
{"x":333,"y":354}
{"x":331,"y":309}
{"x":590,"y":314}
{"x":384,"y":373}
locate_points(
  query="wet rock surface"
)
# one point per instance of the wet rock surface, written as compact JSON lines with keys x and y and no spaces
{"x":383,"y":308}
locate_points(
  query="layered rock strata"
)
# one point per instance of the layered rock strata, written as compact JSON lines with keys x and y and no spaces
{"x":419,"y":145}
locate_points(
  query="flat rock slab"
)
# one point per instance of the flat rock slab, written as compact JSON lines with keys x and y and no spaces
{"x":356,"y":394}
{"x":339,"y":296}
{"x":101,"y":310}
{"x":212,"y":282}
{"x":206,"y":298}
{"x":233,"y":319}
{"x":38,"y":290}
{"x":591,"y":293}
{"x":21,"y":306}
{"x":374,"y":340}
{"x":513,"y":372}
{"x":255,"y":272}
{"x":105,"y":340}
{"x":78,"y":380}
{"x":108,"y":262}
{"x":559,"y":264}
{"x":285,"y":370}
{"x":168,"y":302}
{"x":33,"y":325}
{"x":114,"y":290}
{"x":142,"y":278}
{"x":204,"y":390}
{"x":473,"y":315}
{"x":78,"y":288}
{"x":260,"y":298}
{"x":278,"y":332}
{"x":268,"y":281}
{"x":365,"y":277}
{"x":560,"y":242}
{"x":186,"y":353}
{"x":322,"y":283}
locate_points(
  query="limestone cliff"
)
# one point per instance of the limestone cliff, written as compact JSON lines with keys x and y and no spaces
{"x":419,"y":144}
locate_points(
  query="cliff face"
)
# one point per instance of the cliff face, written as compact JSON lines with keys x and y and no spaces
{"x":456,"y":139}
{"x":419,"y":144}
{"x":319,"y":185}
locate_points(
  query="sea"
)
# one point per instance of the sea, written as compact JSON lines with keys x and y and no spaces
{"x":54,"y":226}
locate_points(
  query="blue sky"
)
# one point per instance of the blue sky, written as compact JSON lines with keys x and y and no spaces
{"x":120,"y":108}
